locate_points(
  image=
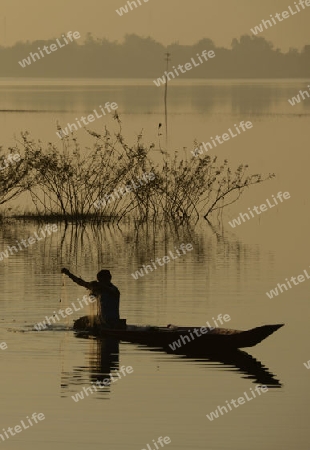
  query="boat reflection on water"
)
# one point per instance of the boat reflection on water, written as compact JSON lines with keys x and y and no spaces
{"x":245,"y":364}
{"x":104,"y":362}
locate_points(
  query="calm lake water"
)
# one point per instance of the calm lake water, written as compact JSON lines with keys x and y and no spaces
{"x":229,"y":271}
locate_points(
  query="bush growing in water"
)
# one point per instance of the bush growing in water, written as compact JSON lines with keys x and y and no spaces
{"x":13,"y":176}
{"x":68,"y":182}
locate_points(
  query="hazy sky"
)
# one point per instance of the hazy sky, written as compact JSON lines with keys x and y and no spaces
{"x":165,"y":20}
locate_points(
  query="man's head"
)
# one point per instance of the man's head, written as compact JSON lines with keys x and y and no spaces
{"x":104,"y":276}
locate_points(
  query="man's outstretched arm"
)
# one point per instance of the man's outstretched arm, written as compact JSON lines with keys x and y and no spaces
{"x":76,"y":280}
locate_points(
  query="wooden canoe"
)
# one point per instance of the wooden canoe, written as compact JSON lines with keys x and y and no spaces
{"x":180,"y":340}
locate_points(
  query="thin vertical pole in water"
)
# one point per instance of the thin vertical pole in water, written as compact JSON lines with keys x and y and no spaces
{"x":64,"y":297}
{"x":166,"y":93}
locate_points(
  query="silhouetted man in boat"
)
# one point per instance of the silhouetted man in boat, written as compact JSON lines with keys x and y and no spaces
{"x":106,"y":293}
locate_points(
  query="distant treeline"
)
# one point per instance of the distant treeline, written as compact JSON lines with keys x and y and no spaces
{"x":138,"y":57}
